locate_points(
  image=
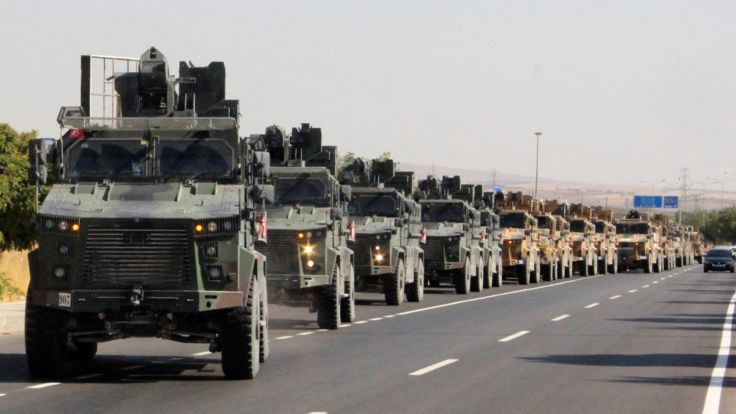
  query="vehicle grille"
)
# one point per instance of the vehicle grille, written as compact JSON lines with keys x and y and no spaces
{"x":282,"y":253}
{"x":362,"y":250}
{"x":433,"y":251}
{"x":145,"y":256}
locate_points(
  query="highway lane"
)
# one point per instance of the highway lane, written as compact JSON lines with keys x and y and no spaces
{"x":599,"y":344}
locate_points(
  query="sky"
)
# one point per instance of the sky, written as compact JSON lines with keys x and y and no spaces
{"x":624,"y":92}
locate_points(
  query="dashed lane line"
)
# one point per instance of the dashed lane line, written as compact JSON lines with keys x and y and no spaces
{"x":390,"y":316}
{"x":655,"y":282}
{"x":712,"y":402}
{"x":322,"y":330}
{"x":281,"y":338}
{"x":205,"y":353}
{"x":614,"y":297}
{"x":346,"y":325}
{"x":514,"y":336}
{"x":360,"y":322}
{"x":645,"y":286}
{"x":633,"y":291}
{"x":592,"y":305}
{"x":305,"y":333}
{"x":41,"y":386}
{"x":559,"y":318}
{"x":375,"y":319}
{"x":433,"y":367}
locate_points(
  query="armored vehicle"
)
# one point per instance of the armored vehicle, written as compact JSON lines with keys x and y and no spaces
{"x":451,"y":254}
{"x":553,"y":256}
{"x":560,"y":235}
{"x":670,"y":241}
{"x":606,"y":241}
{"x":388,"y":230}
{"x":520,"y":248}
{"x":698,"y":246}
{"x":582,"y":232}
{"x":639,"y":246}
{"x":310,"y":263}
{"x":150,"y":226}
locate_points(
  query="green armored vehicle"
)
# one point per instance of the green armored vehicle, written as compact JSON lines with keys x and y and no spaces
{"x":150,"y":226}
{"x":310,"y":263}
{"x":388,"y":230}
{"x":451,"y":254}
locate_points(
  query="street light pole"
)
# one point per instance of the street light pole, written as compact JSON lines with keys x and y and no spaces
{"x":536,"y":173}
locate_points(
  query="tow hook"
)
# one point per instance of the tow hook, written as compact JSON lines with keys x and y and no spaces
{"x":136,"y":295}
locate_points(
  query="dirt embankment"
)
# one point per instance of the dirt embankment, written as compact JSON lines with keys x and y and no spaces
{"x":14,"y":275}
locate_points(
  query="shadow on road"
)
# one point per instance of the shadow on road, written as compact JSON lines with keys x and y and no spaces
{"x":13,"y":368}
{"x":635,"y":360}
{"x":698,"y":381}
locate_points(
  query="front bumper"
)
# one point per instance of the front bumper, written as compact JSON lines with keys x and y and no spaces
{"x":373,"y":270}
{"x":297,"y":281}
{"x":175,"y":301}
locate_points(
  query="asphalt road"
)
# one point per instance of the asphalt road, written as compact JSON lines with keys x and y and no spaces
{"x":630,"y":343}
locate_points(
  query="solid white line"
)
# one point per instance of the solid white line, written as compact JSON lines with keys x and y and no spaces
{"x":317,"y":412}
{"x":713,"y":396}
{"x":305,"y":333}
{"x":513,"y":292}
{"x":375,"y":319}
{"x":360,"y":322}
{"x":592,"y":305}
{"x":346,"y":325}
{"x":559,"y":318}
{"x":514,"y":336}
{"x":322,"y":330}
{"x":645,"y":286}
{"x":281,"y":338}
{"x":44,"y":385}
{"x":633,"y":291}
{"x":614,"y":297}
{"x":390,"y":316}
{"x":205,"y":353}
{"x":90,"y":376}
{"x":433,"y":367}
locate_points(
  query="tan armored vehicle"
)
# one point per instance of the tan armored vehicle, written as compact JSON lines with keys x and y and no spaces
{"x":606,"y":241}
{"x":582,"y":232}
{"x":671,"y":240}
{"x":520,"y":235}
{"x":639,"y":246}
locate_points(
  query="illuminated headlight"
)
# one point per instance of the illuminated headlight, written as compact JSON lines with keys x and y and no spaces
{"x":59,"y":272}
{"x":378,"y":257}
{"x":211,"y":227}
{"x":310,"y":263}
{"x":63,"y":225}
{"x":308,"y":249}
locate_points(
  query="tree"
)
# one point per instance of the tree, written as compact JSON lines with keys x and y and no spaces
{"x":17,"y":206}
{"x":384,"y":156}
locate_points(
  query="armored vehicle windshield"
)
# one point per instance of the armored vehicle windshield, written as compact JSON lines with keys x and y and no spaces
{"x":300,"y":190}
{"x":445,"y":211}
{"x":384,"y":205}
{"x":513,"y":220}
{"x":577,"y":226}
{"x":107,"y":158}
{"x":600,"y":227}
{"x":546,"y":222}
{"x":628,"y":228}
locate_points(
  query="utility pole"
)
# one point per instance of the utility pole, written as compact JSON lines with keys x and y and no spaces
{"x":536,"y":173}
{"x":684,"y":172}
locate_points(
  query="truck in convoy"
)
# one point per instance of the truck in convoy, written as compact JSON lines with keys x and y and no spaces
{"x":388,"y":230}
{"x":451,"y":254}
{"x":582,"y":233}
{"x":520,"y":249}
{"x":151,"y":222}
{"x":639,"y":246}
{"x":560,"y":235}
{"x":606,"y":240}
{"x":309,"y":260}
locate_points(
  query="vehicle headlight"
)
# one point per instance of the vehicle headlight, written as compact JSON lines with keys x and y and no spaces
{"x":59,"y":272}
{"x":223,"y":226}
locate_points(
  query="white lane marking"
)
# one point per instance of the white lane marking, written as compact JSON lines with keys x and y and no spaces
{"x":317,"y":412}
{"x":346,"y":325}
{"x":662,"y":278}
{"x":645,"y":286}
{"x":513,"y":292}
{"x":669,"y":276}
{"x":592,"y":305}
{"x":281,"y":338}
{"x":90,"y":376}
{"x":131,"y":368}
{"x":375,"y":319}
{"x":614,"y":297}
{"x":433,"y":367}
{"x":2,"y":395}
{"x":204,"y":353}
{"x":655,"y":282}
{"x":514,"y":336}
{"x":390,"y":316}
{"x":360,"y":322}
{"x":559,"y":318}
{"x":713,"y":396}
{"x":44,"y":385}
{"x":323,"y":330}
{"x":633,"y":291}
{"x":305,"y":333}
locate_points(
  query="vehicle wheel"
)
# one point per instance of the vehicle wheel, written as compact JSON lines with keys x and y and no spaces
{"x":560,"y":270}
{"x":240,"y":341}
{"x":603,"y":267}
{"x":583,"y":268}
{"x":648,"y":265}
{"x":461,"y":278}
{"x":657,"y":266}
{"x":536,"y":273}
{"x":328,"y":304}
{"x":265,"y":349}
{"x":85,"y":352}
{"x":524,"y":273}
{"x":476,"y":283}
{"x":498,"y":275}
{"x":46,"y":352}
{"x":488,"y":276}
{"x":733,"y":269}
{"x":347,"y":301}
{"x":705,"y":269}
{"x":415,"y":291}
{"x":393,"y":287}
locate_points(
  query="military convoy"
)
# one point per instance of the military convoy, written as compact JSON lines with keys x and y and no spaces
{"x":162,"y":221}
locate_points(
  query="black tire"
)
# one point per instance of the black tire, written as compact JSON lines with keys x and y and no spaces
{"x":476,"y":282}
{"x":488,"y":274}
{"x":461,"y":279}
{"x":560,"y":270}
{"x":498,"y":276}
{"x":583,"y":268}
{"x":534,"y":275}
{"x":523,"y":273}
{"x":85,"y":352}
{"x":415,"y":291}
{"x":265,"y":349}
{"x":648,"y":265}
{"x":657,"y":267}
{"x":240,"y":339}
{"x":329,"y":301}
{"x":705,"y":269}
{"x":46,"y":352}
{"x":393,"y":285}
{"x":603,"y":267}
{"x":347,"y":301}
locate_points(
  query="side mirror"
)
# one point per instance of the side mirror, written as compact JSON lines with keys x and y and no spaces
{"x":264,"y":193}
{"x":41,"y":174}
{"x":42,"y":150}
{"x":336,"y":213}
{"x":346,"y":193}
